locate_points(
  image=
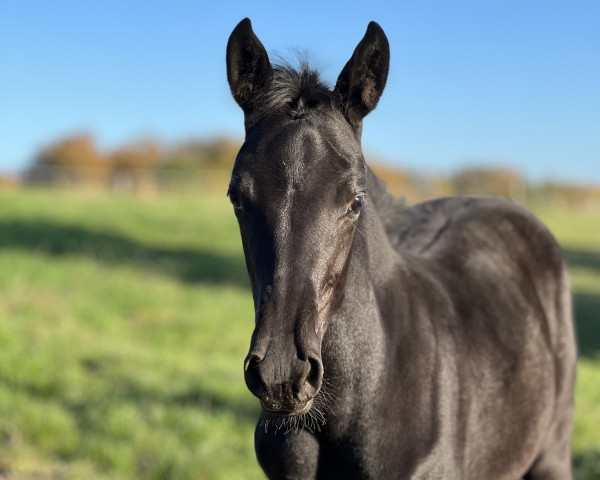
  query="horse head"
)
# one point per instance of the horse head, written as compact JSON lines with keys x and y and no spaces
{"x":297,"y":188}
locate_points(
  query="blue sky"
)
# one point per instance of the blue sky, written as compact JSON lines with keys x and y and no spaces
{"x":511,"y":83}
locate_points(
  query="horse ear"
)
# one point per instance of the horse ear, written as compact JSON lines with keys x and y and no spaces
{"x":362,"y":80}
{"x":248,"y":68}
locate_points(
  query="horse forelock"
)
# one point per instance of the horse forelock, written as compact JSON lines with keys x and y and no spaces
{"x":295,"y":92}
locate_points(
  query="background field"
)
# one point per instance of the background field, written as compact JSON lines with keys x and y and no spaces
{"x":124,"y":322}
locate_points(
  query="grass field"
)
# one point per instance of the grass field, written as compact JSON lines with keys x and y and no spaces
{"x":124,"y":323}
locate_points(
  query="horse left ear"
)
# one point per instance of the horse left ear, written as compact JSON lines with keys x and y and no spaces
{"x":249,"y":70}
{"x":362,"y":80}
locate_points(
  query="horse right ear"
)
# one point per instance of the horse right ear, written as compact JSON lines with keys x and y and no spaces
{"x":362,"y":80}
{"x":249,"y":71}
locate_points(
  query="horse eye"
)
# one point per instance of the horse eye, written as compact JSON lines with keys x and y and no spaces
{"x":357,"y":204}
{"x":237,"y":205}
{"x":237,"y":208}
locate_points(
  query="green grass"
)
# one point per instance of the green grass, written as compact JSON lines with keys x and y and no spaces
{"x":123,"y":327}
{"x":579,"y":235}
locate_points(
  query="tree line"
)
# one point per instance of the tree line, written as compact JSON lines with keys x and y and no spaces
{"x":141,"y":165}
{"x":148,"y":165}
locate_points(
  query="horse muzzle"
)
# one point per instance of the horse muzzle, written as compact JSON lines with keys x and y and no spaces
{"x":285,"y":388}
{"x":296,"y":411}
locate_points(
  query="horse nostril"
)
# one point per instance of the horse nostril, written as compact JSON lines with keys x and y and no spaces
{"x":252,"y":374}
{"x":315,"y":376}
{"x":252,"y":362}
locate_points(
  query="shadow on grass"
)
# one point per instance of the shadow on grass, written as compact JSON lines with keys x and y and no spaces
{"x":189,"y":265}
{"x":587,"y":317}
{"x":583,"y":259}
{"x":586,"y":305}
{"x":587,"y":465}
{"x":192,"y":265}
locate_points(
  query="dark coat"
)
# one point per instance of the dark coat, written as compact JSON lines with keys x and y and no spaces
{"x":391,"y":343}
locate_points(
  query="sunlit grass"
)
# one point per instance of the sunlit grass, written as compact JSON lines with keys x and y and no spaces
{"x":124,"y":323}
{"x":118,"y":358}
{"x":579,"y":235}
{"x":137,"y":374}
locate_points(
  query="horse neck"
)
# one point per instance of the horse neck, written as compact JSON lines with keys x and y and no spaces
{"x":373,"y":262}
{"x":355,"y":337}
{"x":376,"y":257}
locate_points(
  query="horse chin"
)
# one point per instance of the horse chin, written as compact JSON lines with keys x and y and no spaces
{"x":282,"y":412}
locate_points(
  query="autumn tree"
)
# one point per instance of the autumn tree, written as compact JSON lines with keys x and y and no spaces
{"x":72,"y":161}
